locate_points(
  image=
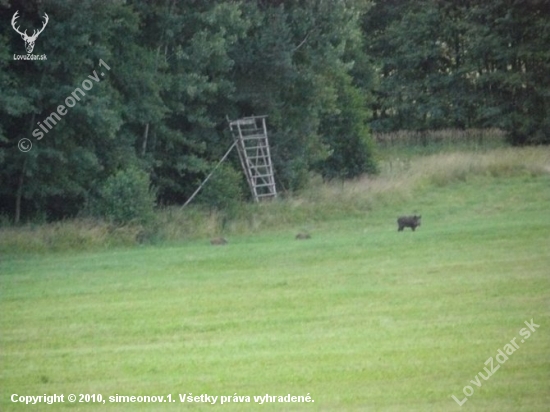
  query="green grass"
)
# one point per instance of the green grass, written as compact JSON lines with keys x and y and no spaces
{"x":361,"y":317}
{"x":401,"y":177}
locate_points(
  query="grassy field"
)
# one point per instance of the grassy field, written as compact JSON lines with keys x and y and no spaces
{"x":360,"y":317}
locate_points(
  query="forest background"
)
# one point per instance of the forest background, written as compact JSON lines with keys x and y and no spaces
{"x":329,"y":74}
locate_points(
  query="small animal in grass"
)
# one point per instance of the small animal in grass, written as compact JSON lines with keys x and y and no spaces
{"x":303,"y":236}
{"x":408,"y":221}
{"x":218,"y":241}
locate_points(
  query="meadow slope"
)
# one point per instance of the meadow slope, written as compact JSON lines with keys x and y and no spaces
{"x":360,"y":317}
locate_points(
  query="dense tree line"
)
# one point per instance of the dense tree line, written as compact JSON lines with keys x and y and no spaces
{"x":158,"y":80}
{"x":462,"y":63}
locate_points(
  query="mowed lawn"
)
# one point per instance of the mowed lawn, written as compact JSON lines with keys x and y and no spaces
{"x":360,"y":317}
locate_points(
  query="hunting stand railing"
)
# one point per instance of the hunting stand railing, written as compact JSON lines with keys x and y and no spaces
{"x":250,"y":135}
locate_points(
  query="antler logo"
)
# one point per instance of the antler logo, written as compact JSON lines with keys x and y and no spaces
{"x":29,"y":40}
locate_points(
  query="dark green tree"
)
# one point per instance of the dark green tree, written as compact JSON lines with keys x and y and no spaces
{"x":295,"y":65}
{"x":191,"y":42}
{"x":53,"y":179}
{"x":461,"y":64}
{"x":511,"y":59}
{"x":164,"y":76}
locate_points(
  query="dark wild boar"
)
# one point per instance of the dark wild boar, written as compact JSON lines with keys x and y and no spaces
{"x":218,"y":241}
{"x":408,"y":221}
{"x":303,"y":236}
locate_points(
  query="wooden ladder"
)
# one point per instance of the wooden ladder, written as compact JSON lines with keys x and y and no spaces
{"x":250,"y":134}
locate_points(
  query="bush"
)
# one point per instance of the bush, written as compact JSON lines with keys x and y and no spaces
{"x":223,"y":191}
{"x":126,"y":197}
{"x":351,"y":148}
